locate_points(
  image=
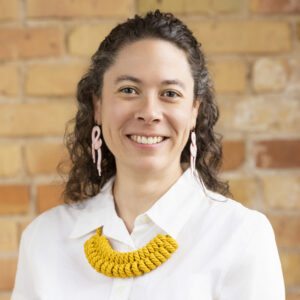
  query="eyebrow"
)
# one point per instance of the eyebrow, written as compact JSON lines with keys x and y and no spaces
{"x":137,"y":80}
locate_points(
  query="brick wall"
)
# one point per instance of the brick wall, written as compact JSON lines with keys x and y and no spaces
{"x":253,"y":55}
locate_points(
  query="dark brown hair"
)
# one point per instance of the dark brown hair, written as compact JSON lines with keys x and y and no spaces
{"x":83,"y":181}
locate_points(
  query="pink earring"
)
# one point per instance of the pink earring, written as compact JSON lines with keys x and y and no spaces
{"x":193,"y":151}
{"x":96,"y":146}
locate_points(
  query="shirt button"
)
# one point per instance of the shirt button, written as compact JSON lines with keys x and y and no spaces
{"x":121,"y":288}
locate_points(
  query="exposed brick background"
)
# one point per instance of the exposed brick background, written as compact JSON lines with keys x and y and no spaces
{"x":48,"y":195}
{"x":278,"y":154}
{"x":15,"y":199}
{"x":24,"y":43}
{"x":253,"y":54}
{"x":8,"y":268}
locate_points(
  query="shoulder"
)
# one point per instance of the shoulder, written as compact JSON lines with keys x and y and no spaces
{"x":233,"y":208}
{"x":249,"y":254}
{"x":237,"y":220}
{"x":57,"y":221}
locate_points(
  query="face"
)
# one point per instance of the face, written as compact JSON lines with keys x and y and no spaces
{"x":148,"y":92}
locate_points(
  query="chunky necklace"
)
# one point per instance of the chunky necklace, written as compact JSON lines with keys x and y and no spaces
{"x":112,"y":263}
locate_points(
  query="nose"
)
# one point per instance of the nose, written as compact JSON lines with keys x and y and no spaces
{"x":149,"y":110}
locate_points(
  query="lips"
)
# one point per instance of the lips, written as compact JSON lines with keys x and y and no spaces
{"x":164,"y":137}
{"x":148,"y":135}
{"x":151,"y":145}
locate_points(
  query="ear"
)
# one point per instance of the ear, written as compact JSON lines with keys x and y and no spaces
{"x":97,"y":109}
{"x":195,"y":110}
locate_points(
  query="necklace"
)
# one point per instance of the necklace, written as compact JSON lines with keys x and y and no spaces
{"x":109,"y":262}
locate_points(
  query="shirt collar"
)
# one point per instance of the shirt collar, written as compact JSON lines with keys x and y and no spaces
{"x":170,"y":212}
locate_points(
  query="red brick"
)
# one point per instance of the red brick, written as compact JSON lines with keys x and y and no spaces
{"x":233,"y":155}
{"x":48,"y":196}
{"x":287,"y":230}
{"x":18,"y":43}
{"x":275,"y":6}
{"x":78,"y":8}
{"x":8,"y":268}
{"x":14,"y":199}
{"x":277,"y":154}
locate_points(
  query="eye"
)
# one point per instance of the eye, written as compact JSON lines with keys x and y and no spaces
{"x":173,"y":93}
{"x":127,"y":89}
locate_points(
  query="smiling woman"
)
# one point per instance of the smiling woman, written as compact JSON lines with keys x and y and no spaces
{"x":146,"y":105}
{"x":145,"y":214}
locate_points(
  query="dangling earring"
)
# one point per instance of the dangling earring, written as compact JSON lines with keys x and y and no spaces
{"x":193,"y":151}
{"x":96,"y":146}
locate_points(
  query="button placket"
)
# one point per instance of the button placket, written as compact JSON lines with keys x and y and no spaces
{"x":121,"y":288}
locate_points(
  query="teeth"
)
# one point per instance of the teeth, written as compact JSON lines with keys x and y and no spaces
{"x":145,"y":140}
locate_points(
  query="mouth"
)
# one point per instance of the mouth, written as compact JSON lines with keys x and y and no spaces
{"x":147,"y":141}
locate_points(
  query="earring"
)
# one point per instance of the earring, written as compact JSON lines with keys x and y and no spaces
{"x":193,"y":151}
{"x":96,"y":146}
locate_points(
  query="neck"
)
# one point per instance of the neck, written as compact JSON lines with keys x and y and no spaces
{"x":135,"y":192}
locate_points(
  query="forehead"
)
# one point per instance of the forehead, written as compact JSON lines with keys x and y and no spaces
{"x":151,"y":57}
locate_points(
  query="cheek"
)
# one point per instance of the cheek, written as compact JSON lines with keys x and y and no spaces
{"x":181,"y":123}
{"x":181,"y":120}
{"x":115,"y":115}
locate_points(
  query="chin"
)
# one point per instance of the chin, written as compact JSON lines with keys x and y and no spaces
{"x":149,"y":165}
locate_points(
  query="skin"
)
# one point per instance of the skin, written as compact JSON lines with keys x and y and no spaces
{"x":149,"y":107}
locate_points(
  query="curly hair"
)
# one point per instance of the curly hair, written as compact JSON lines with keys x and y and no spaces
{"x":83,"y":181}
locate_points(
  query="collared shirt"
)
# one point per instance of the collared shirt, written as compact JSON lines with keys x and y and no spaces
{"x":225,"y":250}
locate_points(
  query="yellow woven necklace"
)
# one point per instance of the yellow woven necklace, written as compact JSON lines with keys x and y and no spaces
{"x":112,"y":263}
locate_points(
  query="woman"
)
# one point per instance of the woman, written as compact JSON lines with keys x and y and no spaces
{"x":146,"y":216}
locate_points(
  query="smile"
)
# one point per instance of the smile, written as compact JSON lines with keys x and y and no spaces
{"x":146,"y":140}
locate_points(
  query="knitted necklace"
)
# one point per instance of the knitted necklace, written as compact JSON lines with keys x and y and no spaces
{"x":109,"y":262}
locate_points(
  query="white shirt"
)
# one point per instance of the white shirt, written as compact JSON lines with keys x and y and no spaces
{"x":225,"y":250}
